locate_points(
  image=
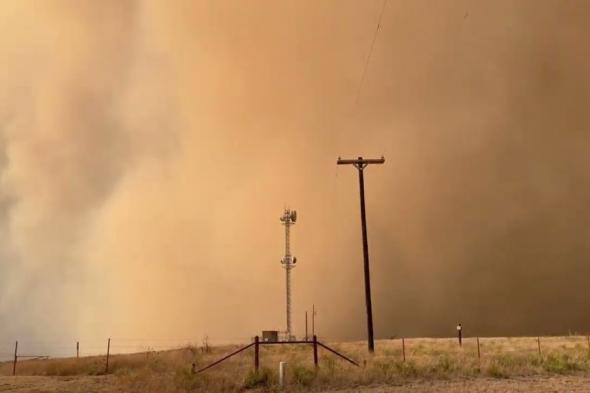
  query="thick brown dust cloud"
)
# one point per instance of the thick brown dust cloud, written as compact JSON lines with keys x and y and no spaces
{"x":149,"y":147}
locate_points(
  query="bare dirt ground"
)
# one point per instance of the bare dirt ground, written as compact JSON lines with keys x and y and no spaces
{"x":37,"y":384}
{"x":109,"y":384}
{"x":529,"y":384}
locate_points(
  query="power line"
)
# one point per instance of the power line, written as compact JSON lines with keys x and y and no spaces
{"x":358,"y":92}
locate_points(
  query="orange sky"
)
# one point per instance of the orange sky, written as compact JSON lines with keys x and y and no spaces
{"x":147,"y":149}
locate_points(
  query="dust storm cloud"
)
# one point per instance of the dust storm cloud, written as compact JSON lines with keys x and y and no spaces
{"x":148,"y":149}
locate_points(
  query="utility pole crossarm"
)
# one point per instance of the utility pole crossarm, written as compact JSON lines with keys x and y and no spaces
{"x":362,"y":162}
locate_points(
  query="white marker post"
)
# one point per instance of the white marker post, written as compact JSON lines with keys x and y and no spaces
{"x":282,"y":369}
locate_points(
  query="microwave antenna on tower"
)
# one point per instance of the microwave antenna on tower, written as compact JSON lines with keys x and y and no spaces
{"x":289,"y":217}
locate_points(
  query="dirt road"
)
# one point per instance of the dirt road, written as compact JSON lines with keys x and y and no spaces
{"x":58,"y":384}
{"x":529,"y":384}
{"x":110,"y":385}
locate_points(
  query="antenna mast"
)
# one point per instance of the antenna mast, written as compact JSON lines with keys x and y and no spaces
{"x":289,"y":217}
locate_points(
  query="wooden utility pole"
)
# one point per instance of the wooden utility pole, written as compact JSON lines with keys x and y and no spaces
{"x":361,"y":164}
{"x":77,"y":349}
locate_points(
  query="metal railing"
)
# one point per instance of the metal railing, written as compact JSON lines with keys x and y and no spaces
{"x":257,"y":343}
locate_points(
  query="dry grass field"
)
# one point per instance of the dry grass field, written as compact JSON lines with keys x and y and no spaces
{"x":506,"y":364}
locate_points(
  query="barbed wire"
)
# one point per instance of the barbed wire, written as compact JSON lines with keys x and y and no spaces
{"x":139,"y":345}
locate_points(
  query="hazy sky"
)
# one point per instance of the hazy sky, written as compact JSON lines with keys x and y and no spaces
{"x":148,"y":148}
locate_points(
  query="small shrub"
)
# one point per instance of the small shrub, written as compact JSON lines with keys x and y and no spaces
{"x":256,"y":379}
{"x":407,"y":369}
{"x":303,"y":376}
{"x":383,"y":367}
{"x":560,"y":364}
{"x":185,"y":379}
{"x":536,"y":361}
{"x":444,"y":363}
{"x":494,"y":370}
{"x":329,"y":364}
{"x":156,"y":365}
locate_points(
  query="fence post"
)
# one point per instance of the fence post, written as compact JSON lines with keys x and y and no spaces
{"x":15,"y":358}
{"x":306,"y":335}
{"x":282,"y":366}
{"x":478,"y":352}
{"x":256,"y":355}
{"x":539,"y":344}
{"x":108,"y":354}
{"x":315,"y":350}
{"x":404,"y":348}
{"x":588,"y":339}
{"x":77,"y":349}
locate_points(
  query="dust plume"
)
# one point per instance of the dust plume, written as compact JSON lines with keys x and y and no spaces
{"x":147,"y":149}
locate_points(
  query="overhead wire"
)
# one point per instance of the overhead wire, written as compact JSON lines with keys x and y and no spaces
{"x":365,"y":69}
{"x":368,"y":60}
